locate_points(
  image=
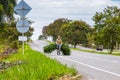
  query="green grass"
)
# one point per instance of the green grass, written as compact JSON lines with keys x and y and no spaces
{"x":2,"y":47}
{"x":115,"y":53}
{"x":35,"y":66}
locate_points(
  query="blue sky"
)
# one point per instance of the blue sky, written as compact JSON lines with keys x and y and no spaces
{"x":46,"y":11}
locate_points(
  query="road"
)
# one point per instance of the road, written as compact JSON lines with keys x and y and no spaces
{"x":93,"y":66}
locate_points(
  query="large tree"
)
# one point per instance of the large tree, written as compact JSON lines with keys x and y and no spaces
{"x":53,"y":29}
{"x":75,"y":32}
{"x":107,"y":24}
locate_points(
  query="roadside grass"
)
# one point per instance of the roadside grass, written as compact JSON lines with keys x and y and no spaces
{"x":35,"y":66}
{"x":115,"y":53}
{"x":2,"y":47}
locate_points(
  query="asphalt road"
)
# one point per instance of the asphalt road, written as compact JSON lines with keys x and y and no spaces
{"x":93,"y":66}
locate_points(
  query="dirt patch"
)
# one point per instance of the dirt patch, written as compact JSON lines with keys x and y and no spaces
{"x":7,"y":51}
{"x":69,"y":77}
{"x":5,"y":65}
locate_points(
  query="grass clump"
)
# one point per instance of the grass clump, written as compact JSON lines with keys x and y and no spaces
{"x":35,"y":66}
{"x":51,"y":47}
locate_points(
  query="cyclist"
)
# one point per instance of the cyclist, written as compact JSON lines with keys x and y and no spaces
{"x":59,"y":44}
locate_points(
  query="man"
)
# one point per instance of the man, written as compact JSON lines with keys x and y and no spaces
{"x":59,"y":44}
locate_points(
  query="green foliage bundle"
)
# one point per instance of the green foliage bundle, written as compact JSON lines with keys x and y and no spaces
{"x":65,"y":49}
{"x":51,"y":47}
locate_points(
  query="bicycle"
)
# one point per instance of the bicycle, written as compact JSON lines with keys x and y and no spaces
{"x":58,"y":50}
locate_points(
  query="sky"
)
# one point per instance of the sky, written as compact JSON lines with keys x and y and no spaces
{"x":45,"y":12}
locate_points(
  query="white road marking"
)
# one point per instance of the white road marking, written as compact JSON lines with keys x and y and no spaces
{"x":115,"y":74}
{"x":114,"y":61}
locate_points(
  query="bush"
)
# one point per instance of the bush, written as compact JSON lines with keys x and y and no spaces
{"x":51,"y":47}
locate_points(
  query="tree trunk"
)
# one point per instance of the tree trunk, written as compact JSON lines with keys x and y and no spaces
{"x":75,"y":46}
{"x":117,"y":45}
{"x":111,"y":49}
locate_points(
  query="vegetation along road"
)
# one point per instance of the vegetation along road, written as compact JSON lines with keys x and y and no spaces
{"x":93,"y":66}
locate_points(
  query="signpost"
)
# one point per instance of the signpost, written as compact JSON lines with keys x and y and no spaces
{"x":22,"y":25}
{"x":22,"y":8}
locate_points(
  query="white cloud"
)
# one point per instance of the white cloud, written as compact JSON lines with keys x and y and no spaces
{"x":46,"y":11}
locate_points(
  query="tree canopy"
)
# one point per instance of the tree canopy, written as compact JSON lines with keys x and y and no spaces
{"x":53,"y":29}
{"x":72,"y":32}
{"x":6,"y":10}
{"x":107,"y":24}
{"x":75,"y":32}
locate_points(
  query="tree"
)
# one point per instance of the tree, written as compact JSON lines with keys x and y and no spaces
{"x":6,"y":18}
{"x":9,"y":35}
{"x":6,"y":10}
{"x":8,"y":32}
{"x":91,"y":37}
{"x":53,"y":29}
{"x":107,"y":24}
{"x":75,"y":32}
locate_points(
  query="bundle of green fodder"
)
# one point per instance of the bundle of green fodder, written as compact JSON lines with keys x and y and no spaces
{"x":51,"y":47}
{"x":65,"y":49}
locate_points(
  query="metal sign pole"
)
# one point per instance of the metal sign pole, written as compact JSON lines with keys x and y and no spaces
{"x":23,"y":43}
{"x":23,"y":33}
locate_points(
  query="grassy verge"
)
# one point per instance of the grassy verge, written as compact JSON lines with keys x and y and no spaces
{"x":35,"y":66}
{"x":2,"y":47}
{"x":115,"y":53}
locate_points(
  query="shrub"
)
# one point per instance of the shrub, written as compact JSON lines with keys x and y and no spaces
{"x":51,"y":47}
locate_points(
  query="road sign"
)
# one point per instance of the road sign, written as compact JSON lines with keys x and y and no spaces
{"x":22,"y":26}
{"x":22,"y":8}
{"x":22,"y":38}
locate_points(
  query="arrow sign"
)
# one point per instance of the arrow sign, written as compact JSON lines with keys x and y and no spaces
{"x":22,"y":8}
{"x":22,"y":26}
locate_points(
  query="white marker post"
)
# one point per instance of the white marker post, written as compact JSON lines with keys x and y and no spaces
{"x":22,"y":25}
